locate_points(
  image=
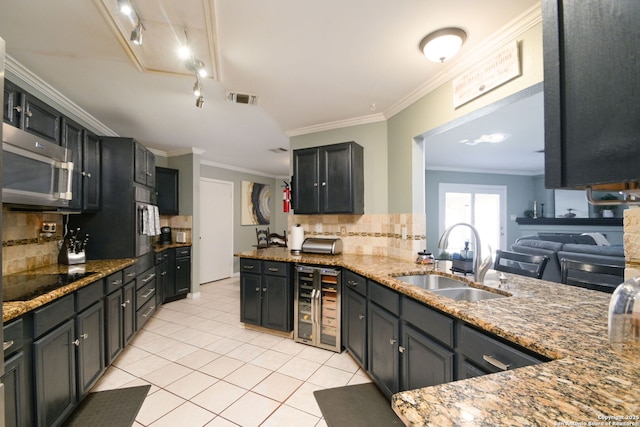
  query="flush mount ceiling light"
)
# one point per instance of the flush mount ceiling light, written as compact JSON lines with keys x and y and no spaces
{"x":443,"y":44}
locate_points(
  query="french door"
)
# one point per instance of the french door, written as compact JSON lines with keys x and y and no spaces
{"x":482,"y":206}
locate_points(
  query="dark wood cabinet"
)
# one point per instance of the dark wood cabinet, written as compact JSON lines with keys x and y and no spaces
{"x":167,"y":191}
{"x":55,"y":374}
{"x":328,"y":179}
{"x":383,"y":340}
{"x":354,"y":317}
{"x":424,"y":361}
{"x":17,"y":374}
{"x":85,"y":155}
{"x":175,"y":267}
{"x":265,"y":294}
{"x":145,"y":166}
{"x":128,"y":292}
{"x":23,"y":110}
{"x":183,"y":271}
{"x":145,"y":296}
{"x":90,"y":346}
{"x":591,"y":58}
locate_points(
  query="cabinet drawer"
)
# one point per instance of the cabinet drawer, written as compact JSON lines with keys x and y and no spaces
{"x":145,"y":293}
{"x":51,"y":315}
{"x":144,"y":313}
{"x":250,"y":265}
{"x":129,"y":273}
{"x":355,"y":281}
{"x":276,"y":268}
{"x":491,"y":354}
{"x":89,"y":294}
{"x":159,"y":257}
{"x":113,"y":282}
{"x":183,"y":252}
{"x":145,"y":278}
{"x":429,"y":321}
{"x":384,"y":297}
{"x":13,"y":337}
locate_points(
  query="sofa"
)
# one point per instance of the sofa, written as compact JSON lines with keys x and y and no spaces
{"x":577,"y":247}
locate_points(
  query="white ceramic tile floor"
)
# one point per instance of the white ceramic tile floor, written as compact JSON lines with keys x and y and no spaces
{"x":205,"y":369}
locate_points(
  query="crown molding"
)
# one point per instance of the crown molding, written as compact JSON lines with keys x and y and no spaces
{"x":82,"y":116}
{"x":363,"y":120}
{"x":483,"y":171}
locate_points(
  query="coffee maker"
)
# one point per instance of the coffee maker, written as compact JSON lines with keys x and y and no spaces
{"x":165,"y":236}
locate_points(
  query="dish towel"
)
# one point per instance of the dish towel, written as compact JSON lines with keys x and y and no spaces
{"x":155,"y":220}
{"x":146,"y":223}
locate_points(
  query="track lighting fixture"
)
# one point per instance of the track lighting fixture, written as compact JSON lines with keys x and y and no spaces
{"x":136,"y":34}
{"x":197,"y":90}
{"x":200,"y":101}
{"x":195,"y":66}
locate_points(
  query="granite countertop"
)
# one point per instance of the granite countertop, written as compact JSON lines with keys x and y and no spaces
{"x":102,"y":268}
{"x":159,"y":248}
{"x":586,"y":382}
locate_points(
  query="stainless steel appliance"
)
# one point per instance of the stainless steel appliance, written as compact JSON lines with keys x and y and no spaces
{"x":35,"y":172}
{"x":317,"y":307}
{"x":322,"y":245}
{"x":165,"y":236}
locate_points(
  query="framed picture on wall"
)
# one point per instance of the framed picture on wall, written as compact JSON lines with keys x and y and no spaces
{"x":254,"y":203}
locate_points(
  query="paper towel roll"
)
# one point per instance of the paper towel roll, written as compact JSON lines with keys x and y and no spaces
{"x":296,"y":238}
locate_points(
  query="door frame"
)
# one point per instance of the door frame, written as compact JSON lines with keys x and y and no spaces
{"x":231,"y":251}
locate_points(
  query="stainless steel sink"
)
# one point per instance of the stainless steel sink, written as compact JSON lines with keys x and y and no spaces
{"x":467,"y":294}
{"x":432,"y":281}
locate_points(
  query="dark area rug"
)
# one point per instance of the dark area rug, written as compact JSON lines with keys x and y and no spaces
{"x":361,"y":405}
{"x":109,"y":408}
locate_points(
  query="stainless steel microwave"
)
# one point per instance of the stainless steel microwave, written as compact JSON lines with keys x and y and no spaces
{"x":35,"y":172}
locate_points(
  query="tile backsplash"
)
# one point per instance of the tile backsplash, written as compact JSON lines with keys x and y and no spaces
{"x":25,"y":246}
{"x":380,"y":234}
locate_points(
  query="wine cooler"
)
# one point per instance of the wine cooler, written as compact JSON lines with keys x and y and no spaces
{"x":317,"y":307}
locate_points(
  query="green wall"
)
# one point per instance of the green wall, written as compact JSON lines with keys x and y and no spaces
{"x":373,"y":137}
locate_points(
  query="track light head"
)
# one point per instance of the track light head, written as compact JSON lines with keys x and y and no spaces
{"x":200,"y":101}
{"x":197,"y":90}
{"x":136,"y":34}
{"x":125,"y":7}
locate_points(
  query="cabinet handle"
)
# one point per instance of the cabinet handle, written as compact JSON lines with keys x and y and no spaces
{"x":315,"y":184}
{"x":401,"y":349}
{"x":257,"y":289}
{"x":76,"y":343}
{"x":18,"y":108}
{"x":273,"y":269}
{"x":248,"y":267}
{"x":264,"y":289}
{"x":148,"y":294}
{"x":131,"y":274}
{"x":352,"y":282}
{"x":184,"y":253}
{"x":87,"y":174}
{"x":116,"y":282}
{"x":361,"y":316}
{"x":149,"y":311}
{"x":7,"y":345}
{"x":149,"y":277}
{"x":84,"y":336}
{"x":164,"y":273}
{"x":28,"y":113}
{"x":495,"y":362}
{"x":392,"y":341}
{"x":324,"y":184}
{"x":178,"y":268}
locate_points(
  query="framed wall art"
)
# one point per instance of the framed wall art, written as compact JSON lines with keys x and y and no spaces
{"x":254,"y":203}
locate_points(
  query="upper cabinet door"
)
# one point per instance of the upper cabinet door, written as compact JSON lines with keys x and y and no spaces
{"x":591,"y":88}
{"x":40,"y":119}
{"x":306,"y":180}
{"x":72,"y":137}
{"x":12,"y":105}
{"x":167,"y":191}
{"x":91,"y":165}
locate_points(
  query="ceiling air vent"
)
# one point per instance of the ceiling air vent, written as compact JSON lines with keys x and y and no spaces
{"x":278,"y":150}
{"x":242,"y":98}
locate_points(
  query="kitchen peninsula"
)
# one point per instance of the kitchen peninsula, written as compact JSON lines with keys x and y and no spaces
{"x":585,"y":381}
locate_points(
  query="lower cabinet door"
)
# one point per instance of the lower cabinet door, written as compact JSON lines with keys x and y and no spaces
{"x":424,"y":361}
{"x":355,"y":326}
{"x":129,"y":312}
{"x":383,"y":332}
{"x":55,"y":374}
{"x":183,"y":276}
{"x":250,"y":287}
{"x":114,"y":315}
{"x":275,"y":297}
{"x":90,"y":344}
{"x":15,"y":387}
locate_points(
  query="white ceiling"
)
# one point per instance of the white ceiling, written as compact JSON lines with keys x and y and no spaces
{"x":313,"y":64}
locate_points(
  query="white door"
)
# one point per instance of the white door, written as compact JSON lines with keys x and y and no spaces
{"x":216,"y":230}
{"x":482,"y":206}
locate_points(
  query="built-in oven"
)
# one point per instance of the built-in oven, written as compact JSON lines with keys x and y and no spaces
{"x":35,"y":172}
{"x":145,"y":220}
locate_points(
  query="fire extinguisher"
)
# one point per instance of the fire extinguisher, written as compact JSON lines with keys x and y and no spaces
{"x":286,"y":197}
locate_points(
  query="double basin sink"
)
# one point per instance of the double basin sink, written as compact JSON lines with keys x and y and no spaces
{"x":448,"y":287}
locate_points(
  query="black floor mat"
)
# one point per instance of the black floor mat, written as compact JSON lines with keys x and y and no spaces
{"x":109,"y":408}
{"x":361,"y":405}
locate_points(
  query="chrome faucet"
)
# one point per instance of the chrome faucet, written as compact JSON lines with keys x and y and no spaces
{"x":480,"y":266}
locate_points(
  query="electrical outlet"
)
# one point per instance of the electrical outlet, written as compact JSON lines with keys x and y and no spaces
{"x":319,"y":228}
{"x":403,"y":231}
{"x":343,"y":231}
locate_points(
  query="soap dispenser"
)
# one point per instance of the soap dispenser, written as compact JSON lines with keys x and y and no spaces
{"x":624,"y":319}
